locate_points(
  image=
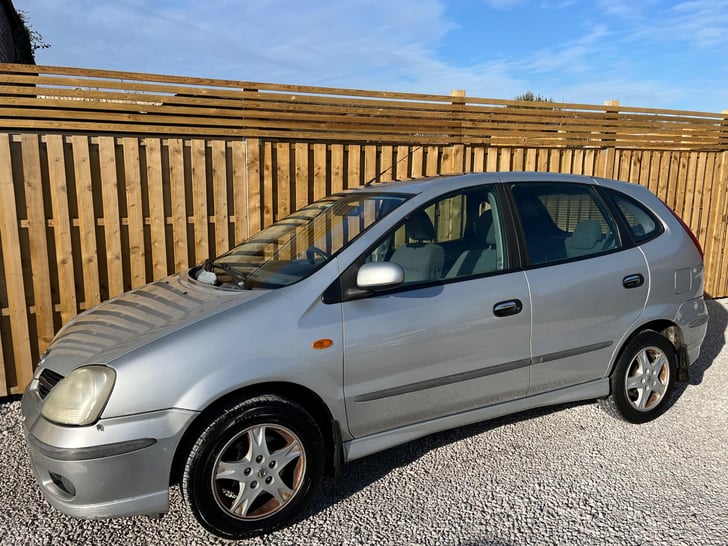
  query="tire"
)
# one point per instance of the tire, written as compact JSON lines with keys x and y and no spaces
{"x":643,"y":379}
{"x":253,"y":467}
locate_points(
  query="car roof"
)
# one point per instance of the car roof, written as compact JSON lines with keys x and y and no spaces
{"x":422,"y":185}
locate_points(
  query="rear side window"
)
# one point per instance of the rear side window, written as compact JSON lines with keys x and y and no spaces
{"x":563,"y":221}
{"x":641,"y":222}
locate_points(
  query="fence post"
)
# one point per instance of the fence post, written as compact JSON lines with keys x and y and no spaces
{"x":609,"y":144}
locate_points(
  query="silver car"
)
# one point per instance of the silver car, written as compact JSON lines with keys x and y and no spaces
{"x":360,"y":322}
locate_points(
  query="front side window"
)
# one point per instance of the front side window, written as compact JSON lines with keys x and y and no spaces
{"x":458,"y":235}
{"x":562,"y":221}
{"x":296,"y":246}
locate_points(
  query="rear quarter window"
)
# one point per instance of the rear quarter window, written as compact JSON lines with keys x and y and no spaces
{"x":641,"y":222}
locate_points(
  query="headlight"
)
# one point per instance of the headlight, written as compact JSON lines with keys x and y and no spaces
{"x":79,"y":398}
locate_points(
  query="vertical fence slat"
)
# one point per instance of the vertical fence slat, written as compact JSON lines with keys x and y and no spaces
{"x":577,"y":162}
{"x":353,"y":166}
{"x":543,"y":160}
{"x":134,"y":212}
{"x":199,"y":199}
{"x":283,"y":177}
{"x":337,"y":168}
{"x":252,"y":151}
{"x":672,"y":179}
{"x":157,"y":216}
{"x":700,"y":190}
{"x":302,"y":185}
{"x":220,"y":196}
{"x":519,"y":157}
{"x":663,"y":176}
{"x":445,"y":163}
{"x":682,"y":179}
{"x":478,"y":159}
{"x":13,"y":270}
{"x":86,"y":220}
{"x":588,"y":166}
{"x":112,"y":218}
{"x":504,"y":163}
{"x":240,"y":191}
{"x":38,"y":237}
{"x":267,"y":184}
{"x":418,"y":161}
{"x":687,"y":212}
{"x":401,"y":163}
{"x":370,"y":163}
{"x":319,"y":171}
{"x":653,"y":176}
{"x":432,"y":167}
{"x":385,"y":164}
{"x":178,"y":198}
{"x":62,"y":227}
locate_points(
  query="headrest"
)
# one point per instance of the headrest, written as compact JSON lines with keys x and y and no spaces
{"x":419,"y":227}
{"x":586,"y":234}
{"x":483,"y":224}
{"x":490,"y":237}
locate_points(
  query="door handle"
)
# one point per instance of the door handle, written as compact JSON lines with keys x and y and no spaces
{"x":507,"y":308}
{"x":633,"y":281}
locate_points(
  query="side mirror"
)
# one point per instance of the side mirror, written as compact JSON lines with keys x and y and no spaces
{"x":379,"y":275}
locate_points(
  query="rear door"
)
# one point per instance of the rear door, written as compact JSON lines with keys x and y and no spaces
{"x":587,"y":288}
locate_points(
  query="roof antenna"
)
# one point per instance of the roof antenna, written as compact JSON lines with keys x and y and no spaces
{"x":392,"y":166}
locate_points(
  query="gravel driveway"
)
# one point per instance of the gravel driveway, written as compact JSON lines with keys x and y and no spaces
{"x":564,"y":475}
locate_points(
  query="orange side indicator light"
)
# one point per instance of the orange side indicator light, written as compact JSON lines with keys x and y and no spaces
{"x":322,"y":343}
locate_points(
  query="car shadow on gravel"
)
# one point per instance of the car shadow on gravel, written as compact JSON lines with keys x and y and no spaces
{"x":359,"y":474}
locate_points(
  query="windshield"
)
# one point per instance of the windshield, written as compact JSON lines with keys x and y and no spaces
{"x":296,"y":246}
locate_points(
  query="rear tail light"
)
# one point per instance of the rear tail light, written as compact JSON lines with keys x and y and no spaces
{"x":689,"y":232}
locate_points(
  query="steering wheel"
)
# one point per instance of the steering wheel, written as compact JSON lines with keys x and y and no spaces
{"x":311,"y":253}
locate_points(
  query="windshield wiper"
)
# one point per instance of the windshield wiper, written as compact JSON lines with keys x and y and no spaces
{"x":240,"y":279}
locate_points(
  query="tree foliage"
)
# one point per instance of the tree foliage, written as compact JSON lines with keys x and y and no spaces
{"x":530,"y":96}
{"x":27,"y":40}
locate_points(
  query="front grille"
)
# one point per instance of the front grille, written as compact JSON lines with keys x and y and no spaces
{"x":46,"y":381}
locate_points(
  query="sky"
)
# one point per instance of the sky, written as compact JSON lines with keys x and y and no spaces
{"x":644,"y":53}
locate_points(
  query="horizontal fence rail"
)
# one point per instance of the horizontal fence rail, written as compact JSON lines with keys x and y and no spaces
{"x":110,"y":180}
{"x":72,"y":99}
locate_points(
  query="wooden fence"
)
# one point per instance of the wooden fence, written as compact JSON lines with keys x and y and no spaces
{"x":107,"y":185}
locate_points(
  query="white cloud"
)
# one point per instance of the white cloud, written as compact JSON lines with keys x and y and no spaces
{"x":504,"y":5}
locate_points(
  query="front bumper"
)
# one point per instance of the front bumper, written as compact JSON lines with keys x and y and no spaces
{"x":117,"y":467}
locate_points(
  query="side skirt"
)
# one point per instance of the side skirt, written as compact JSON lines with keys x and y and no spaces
{"x":361,"y":447}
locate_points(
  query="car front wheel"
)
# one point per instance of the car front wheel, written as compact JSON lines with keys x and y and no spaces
{"x":643,"y":379}
{"x":253,"y":467}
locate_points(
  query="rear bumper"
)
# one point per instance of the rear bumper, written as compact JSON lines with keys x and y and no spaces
{"x":692,"y":316}
{"x":117,"y":467}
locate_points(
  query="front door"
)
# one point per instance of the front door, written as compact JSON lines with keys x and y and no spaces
{"x":454,"y":337}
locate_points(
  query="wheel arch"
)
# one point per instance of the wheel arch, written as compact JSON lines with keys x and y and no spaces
{"x":305,"y":397}
{"x":670,"y":331}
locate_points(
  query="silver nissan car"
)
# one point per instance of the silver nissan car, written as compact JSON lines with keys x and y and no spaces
{"x":365,"y":320}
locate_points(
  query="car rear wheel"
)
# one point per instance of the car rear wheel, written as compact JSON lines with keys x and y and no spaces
{"x":643,"y":379}
{"x":253,"y":467}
